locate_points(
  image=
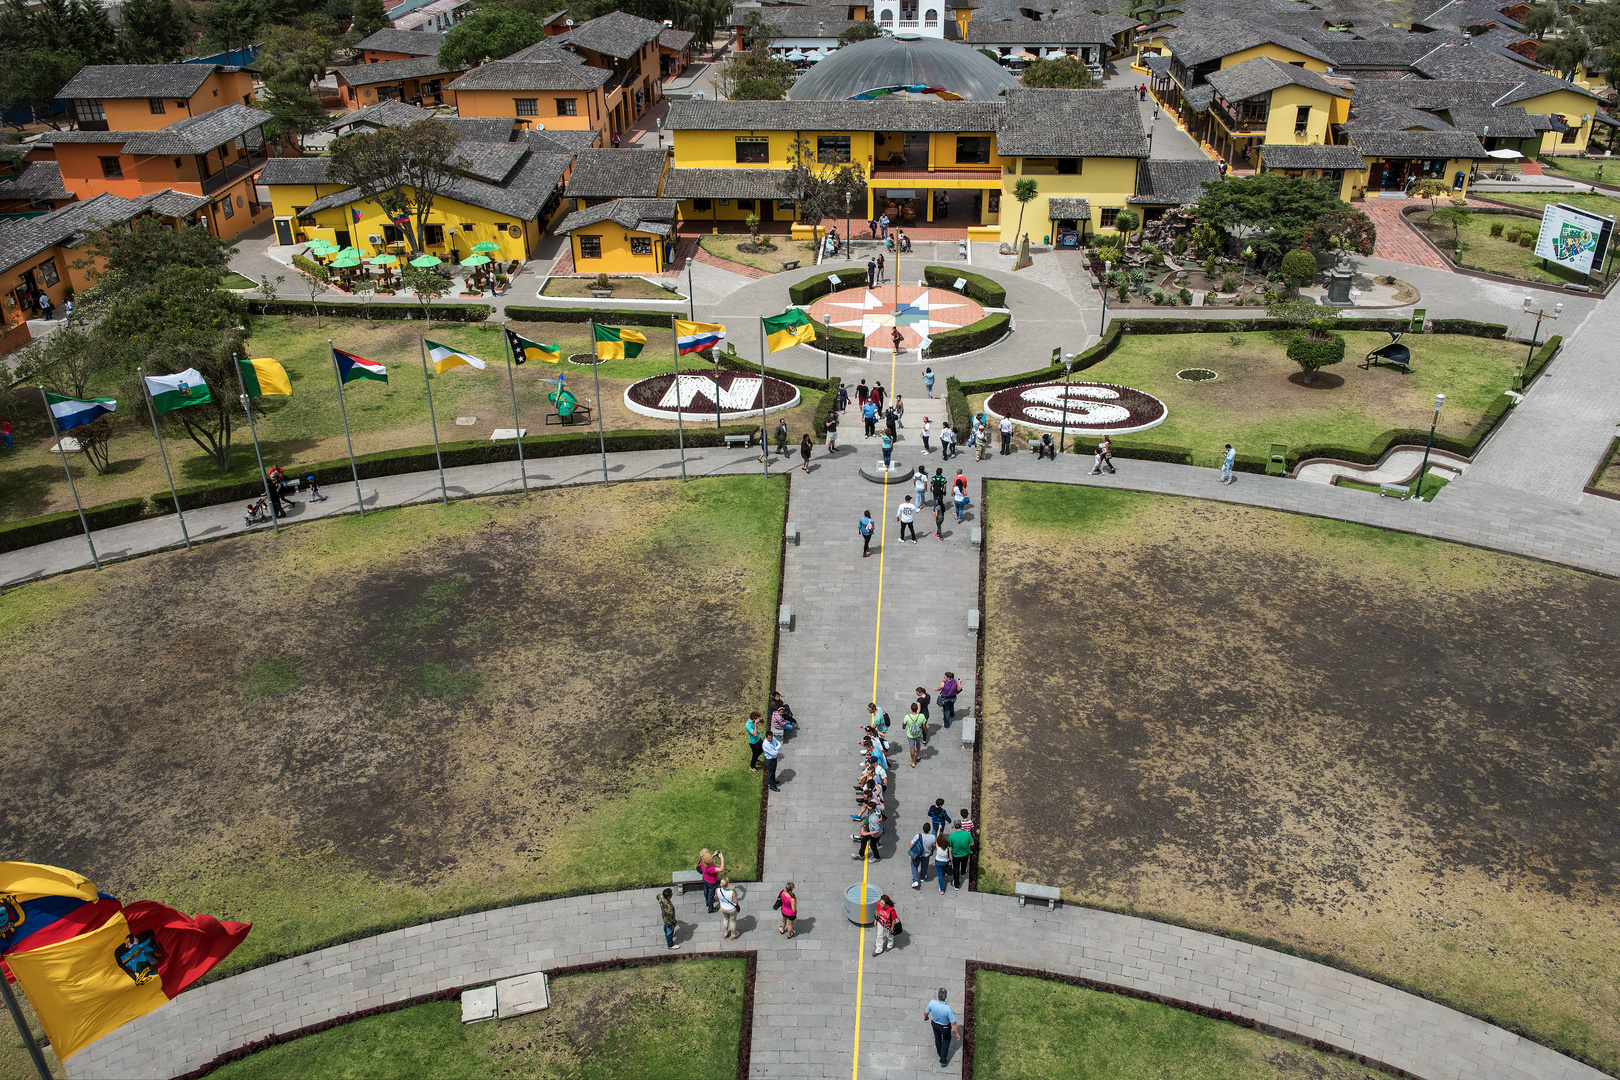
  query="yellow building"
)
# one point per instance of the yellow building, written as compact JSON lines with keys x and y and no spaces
{"x":625,"y":46}
{"x":1075,"y":144}
{"x":1341,"y":166}
{"x":600,"y":176}
{"x":1197,"y":52}
{"x":1265,"y":102}
{"x":1569,"y":107}
{"x":624,"y":236}
{"x":1397,"y":159}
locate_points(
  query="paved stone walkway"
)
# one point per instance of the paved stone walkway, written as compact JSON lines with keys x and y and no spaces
{"x":1397,"y":240}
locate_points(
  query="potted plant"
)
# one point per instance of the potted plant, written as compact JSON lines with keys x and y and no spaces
{"x":601,"y":288}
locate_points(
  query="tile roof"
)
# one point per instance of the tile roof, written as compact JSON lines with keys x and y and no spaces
{"x":1379,"y":115}
{"x":1062,"y":209}
{"x":546,"y":50}
{"x":480,"y":128}
{"x":1071,"y":123}
{"x":1504,"y":123}
{"x":654,"y":216}
{"x":22,"y":239}
{"x":1173,"y":183}
{"x":880,"y":115}
{"x":139,"y":80}
{"x":612,"y":174}
{"x":411,"y":42}
{"x":294,"y":170}
{"x":559,"y":140}
{"x":1432,"y":94}
{"x":807,"y":22}
{"x":1209,"y":41}
{"x":1262,"y":75}
{"x":675,"y":39}
{"x":540,"y":77}
{"x":521,"y":195}
{"x":171,"y":203}
{"x":422,"y":67}
{"x":724,"y":183}
{"x":616,"y":34}
{"x":34,"y":180}
{"x":388,"y":113}
{"x":1199,"y":98}
{"x":1417,"y":144}
{"x":201,"y":133}
{"x":1284,"y":156}
{"x":1470,"y":60}
{"x":1079,"y":28}
{"x":491,"y":161}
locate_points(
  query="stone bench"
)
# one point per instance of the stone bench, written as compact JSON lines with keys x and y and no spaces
{"x":739,"y":442}
{"x":792,"y":534}
{"x":978,"y":536}
{"x":784,"y":617}
{"x":1400,"y":491}
{"x":970,"y":730}
{"x":1026,"y":892}
{"x":790,"y":264}
{"x":682,"y":879}
{"x":973,"y":620}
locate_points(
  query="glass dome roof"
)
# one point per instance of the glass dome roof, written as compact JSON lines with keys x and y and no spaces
{"x":908,"y":60}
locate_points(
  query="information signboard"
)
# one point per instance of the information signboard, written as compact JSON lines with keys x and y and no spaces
{"x":1573,"y":238}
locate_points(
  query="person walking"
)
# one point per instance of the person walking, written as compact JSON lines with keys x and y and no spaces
{"x":1227,"y":461}
{"x":880,"y":267}
{"x":891,"y":422}
{"x":878,"y":395}
{"x":906,"y":515}
{"x":788,"y":904}
{"x":1106,"y":450}
{"x":756,"y":740}
{"x":1097,"y":461}
{"x":947,"y":441}
{"x":781,"y":438}
{"x":888,"y":921}
{"x":928,"y":380}
{"x":899,"y":411}
{"x":916,"y":725}
{"x":943,"y":1021}
{"x":942,"y":858}
{"x":1006,"y":435}
{"x":871,"y":273}
{"x":804,"y":451}
{"x":832,"y":432}
{"x":940,"y":818}
{"x":666,"y":907}
{"x":866,"y":527}
{"x":896,"y":336}
{"x":960,"y":497}
{"x":843,"y":397}
{"x":773,"y":754}
{"x":919,"y":480}
{"x":764,"y":441}
{"x":871,"y":226}
{"x":926,"y":433}
{"x":948,"y":689}
{"x":886,"y":444}
{"x":862,"y":392}
{"x":711,"y":867}
{"x":961,"y":844}
{"x":939,"y":519}
{"x":729,"y":906}
{"x":869,"y":417}
{"x":921,"y":845}
{"x":937,"y":484}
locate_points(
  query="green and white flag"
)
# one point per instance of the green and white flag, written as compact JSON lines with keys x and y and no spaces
{"x":171,"y":392}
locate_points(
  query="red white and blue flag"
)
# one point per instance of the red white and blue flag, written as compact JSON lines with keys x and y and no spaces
{"x":352,"y":367}
{"x":691,"y":337}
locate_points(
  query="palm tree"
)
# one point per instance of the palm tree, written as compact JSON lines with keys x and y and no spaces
{"x":1024,"y":191}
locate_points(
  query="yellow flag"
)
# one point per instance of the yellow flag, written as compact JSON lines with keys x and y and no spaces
{"x":88,"y":986}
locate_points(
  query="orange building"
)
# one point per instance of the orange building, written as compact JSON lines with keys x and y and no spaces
{"x":420,"y":81}
{"x":627,"y":47}
{"x":544,"y":96}
{"x":145,"y":97}
{"x":391,"y":44}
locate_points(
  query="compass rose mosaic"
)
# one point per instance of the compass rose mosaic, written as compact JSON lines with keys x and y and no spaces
{"x":871,"y":313}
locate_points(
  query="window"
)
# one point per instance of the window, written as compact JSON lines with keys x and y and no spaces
{"x":226,"y":208}
{"x":641,"y":245}
{"x":304,"y":219}
{"x":1109,"y":213}
{"x":787,"y":206}
{"x":111,"y":169}
{"x":931,"y":17}
{"x":590,"y":247}
{"x":179,"y":105}
{"x":391,"y":233}
{"x":745,"y":204}
{"x":1068,"y":166}
{"x":89,"y":111}
{"x":832,"y":149}
{"x":47,"y":272}
{"x":526,"y":106}
{"x":1302,"y":119}
{"x":701,"y":204}
{"x":973,"y":150}
{"x":753,"y":151}
{"x":156,"y":105}
{"x":567,"y":106}
{"x":433,"y":235}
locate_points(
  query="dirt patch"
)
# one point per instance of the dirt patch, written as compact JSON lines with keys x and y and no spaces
{"x":1396,"y":751}
{"x":429,"y":705}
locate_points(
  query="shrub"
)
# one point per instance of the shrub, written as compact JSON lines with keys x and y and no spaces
{"x":518,"y":313}
{"x":956,"y":403}
{"x":1179,"y":246}
{"x":1513,"y":234}
{"x":1158,"y":297}
{"x":1542,"y":358}
{"x":1469,"y":327}
{"x":819,"y":285}
{"x":978,"y":288}
{"x":41,"y":530}
{"x":1527,"y":240}
{"x":1209,"y":267}
{"x":842,"y":342}
{"x":1228,"y":283}
{"x":1211,"y":298}
{"x":827,"y":404}
{"x":1186,"y":296}
{"x":1316,"y":348}
{"x":1496,"y":228}
{"x":986,"y":331}
{"x":1299,"y":266}
{"x":1124,"y":292}
{"x":466,"y":313}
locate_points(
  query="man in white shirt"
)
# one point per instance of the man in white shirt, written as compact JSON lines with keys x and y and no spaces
{"x":906,"y":515}
{"x":1006,"y":434}
{"x":773,"y":753}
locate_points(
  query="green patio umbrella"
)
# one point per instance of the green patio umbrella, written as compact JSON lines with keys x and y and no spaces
{"x":346,"y":262}
{"x":349,"y":253}
{"x":425,"y":261}
{"x":384,"y":260}
{"x":486,"y":246}
{"x":475,"y":260}
{"x":322,"y":246}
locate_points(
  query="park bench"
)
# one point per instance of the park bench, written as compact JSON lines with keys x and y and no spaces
{"x":792,"y":535}
{"x":582,"y":414}
{"x":1034,"y":445}
{"x":977,"y":537}
{"x":1278,"y":463}
{"x":790,"y":264}
{"x":1400,"y":491}
{"x":784,"y":617}
{"x":973,"y":620}
{"x":1026,"y":892}
{"x":970,"y":731}
{"x":738,"y":442}
{"x":681,"y":879}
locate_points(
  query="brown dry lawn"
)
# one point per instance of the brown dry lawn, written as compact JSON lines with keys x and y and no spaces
{"x":378,"y":721}
{"x":1393,"y":751}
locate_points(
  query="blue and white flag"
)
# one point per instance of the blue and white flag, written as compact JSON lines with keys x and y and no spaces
{"x":73,"y":412}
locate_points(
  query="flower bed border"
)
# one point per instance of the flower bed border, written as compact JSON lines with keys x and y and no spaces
{"x":1078,"y":425}
{"x":732,"y":414}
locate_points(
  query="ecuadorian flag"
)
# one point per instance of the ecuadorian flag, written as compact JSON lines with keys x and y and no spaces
{"x":691,"y":337}
{"x":617,"y":343}
{"x":792,"y":327}
{"x":263,"y":376}
{"x":444,"y":357}
{"x":524,"y":349}
{"x":352,"y":367}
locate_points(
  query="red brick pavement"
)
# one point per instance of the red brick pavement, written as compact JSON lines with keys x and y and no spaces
{"x":1397,"y":240}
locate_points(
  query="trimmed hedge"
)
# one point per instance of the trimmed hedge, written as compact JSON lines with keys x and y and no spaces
{"x":1542,"y":358}
{"x":849,"y":277}
{"x":842,"y":342}
{"x":614,"y":316}
{"x":1470,"y":328}
{"x":44,"y":529}
{"x":827,"y":404}
{"x":987,"y":331}
{"x":1094,"y":355}
{"x":466,"y":313}
{"x":956,"y":403}
{"x":978,"y":287}
{"x":1175,"y":455}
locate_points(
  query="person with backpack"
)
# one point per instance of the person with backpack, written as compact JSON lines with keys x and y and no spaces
{"x":730,"y":904}
{"x":866,"y":527}
{"x":888,"y":921}
{"x":711,"y":867}
{"x":921,"y":845}
{"x":788,"y":905}
{"x":948,"y":689}
{"x":915,"y":724}
{"x":877,"y":718}
{"x":938,"y":483}
{"x":939,"y":817}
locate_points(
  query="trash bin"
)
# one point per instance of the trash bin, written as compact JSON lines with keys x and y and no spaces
{"x":858,"y":913}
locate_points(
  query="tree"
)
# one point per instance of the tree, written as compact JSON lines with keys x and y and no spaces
{"x":752,"y":221}
{"x":489,"y":35}
{"x":68,"y":362}
{"x":297,"y":111}
{"x":1024,"y":191}
{"x":1456,"y":215}
{"x":1270,"y":212}
{"x":1430,"y":188}
{"x":1299,"y":266}
{"x":123,"y":263}
{"x":1062,"y":73}
{"x":428,"y":283}
{"x":369,"y":17}
{"x":293,"y":56}
{"x":208,"y":424}
{"x":1539,"y":20}
{"x":151,"y":32}
{"x":1345,"y":231}
{"x":1127,"y":222}
{"x":1208,"y":240}
{"x":753,"y":75}
{"x":91,"y":32}
{"x":1294,"y":312}
{"x":1564,"y":54}
{"x":229,"y":25}
{"x":818,"y":188}
{"x":865,"y":30}
{"x":29,"y":80}
{"x":182,"y":308}
{"x":1317,"y":346}
{"x":403,"y":170}
{"x":316,"y":276}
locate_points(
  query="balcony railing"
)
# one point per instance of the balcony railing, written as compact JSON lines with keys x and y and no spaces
{"x":910,"y":24}
{"x":233,"y":172}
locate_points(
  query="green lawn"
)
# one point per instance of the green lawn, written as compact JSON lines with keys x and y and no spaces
{"x":1603,"y":171}
{"x":728,"y":246}
{"x":1036,"y":1029}
{"x":1431,"y":486}
{"x":234,"y":280}
{"x":1255,"y":403}
{"x":674,"y":1021}
{"x":1495,"y":254}
{"x":624,"y":288}
{"x":1604,"y":205}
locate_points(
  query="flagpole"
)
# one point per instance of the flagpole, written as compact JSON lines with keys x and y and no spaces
{"x":680,"y":431}
{"x":764,"y":446}
{"x":57,"y":435}
{"x":43,"y":1069}
{"x":359,"y":499}
{"x":517,"y":425}
{"x":444,"y":495}
{"x":596,"y":373}
{"x":151,"y":411}
{"x":247,"y":407}
{"x":715,"y":352}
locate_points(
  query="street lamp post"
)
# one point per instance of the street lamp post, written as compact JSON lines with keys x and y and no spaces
{"x":849,"y":248}
{"x":1439,"y":400}
{"x":1539,"y":313}
{"x":1063,"y":434}
{"x":1107,"y":269}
